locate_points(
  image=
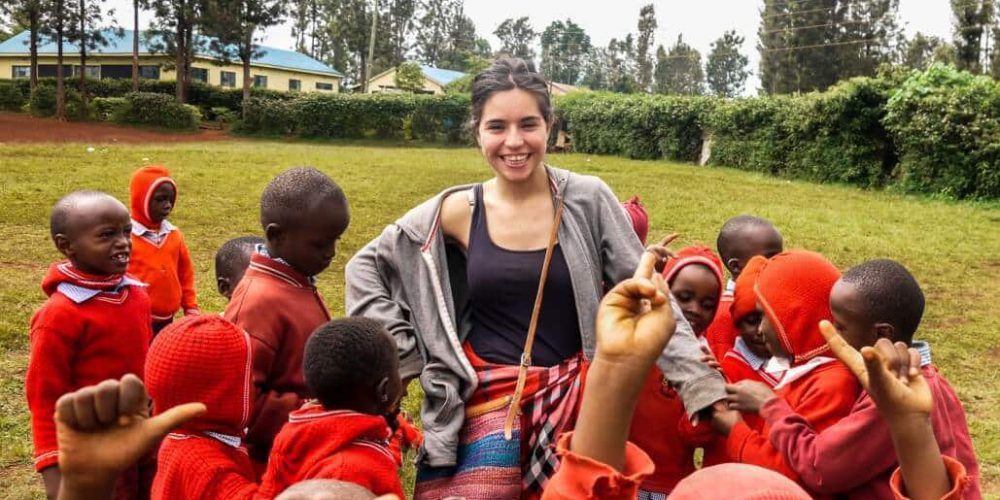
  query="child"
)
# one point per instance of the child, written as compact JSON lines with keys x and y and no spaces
{"x":740,"y":239}
{"x":203,"y":359}
{"x":231,"y":262}
{"x":877,"y":299}
{"x":95,"y":325}
{"x":793,"y":292}
{"x":352,"y":367}
{"x":303,"y":213}
{"x":695,"y":280}
{"x":749,"y":355}
{"x":638,"y":216}
{"x":160,"y":256}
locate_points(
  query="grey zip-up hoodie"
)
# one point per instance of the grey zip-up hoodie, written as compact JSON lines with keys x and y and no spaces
{"x":412,"y":281}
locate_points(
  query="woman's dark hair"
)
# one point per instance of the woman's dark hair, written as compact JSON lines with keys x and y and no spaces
{"x":509,"y":73}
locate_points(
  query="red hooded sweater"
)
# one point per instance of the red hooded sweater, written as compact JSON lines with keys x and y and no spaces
{"x":660,"y":426}
{"x":163,"y":263}
{"x":279,"y":308}
{"x":91,"y":328}
{"x":794,"y":290}
{"x":203,"y":359}
{"x":332,"y":444}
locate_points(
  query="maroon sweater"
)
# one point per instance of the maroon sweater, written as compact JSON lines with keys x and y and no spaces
{"x":864,"y":472}
{"x":279,"y":308}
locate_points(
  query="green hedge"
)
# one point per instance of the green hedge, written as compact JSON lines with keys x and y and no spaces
{"x":43,"y":103}
{"x":156,"y":110}
{"x":11,"y":97}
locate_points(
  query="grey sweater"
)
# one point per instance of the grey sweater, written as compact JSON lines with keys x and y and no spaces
{"x":412,"y":281}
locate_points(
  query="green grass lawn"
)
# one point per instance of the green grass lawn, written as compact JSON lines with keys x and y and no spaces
{"x":952,"y":248}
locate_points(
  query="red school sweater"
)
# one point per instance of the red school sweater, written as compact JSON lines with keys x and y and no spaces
{"x":818,"y":456}
{"x":166,"y":267}
{"x":76,"y":344}
{"x":332,"y":444}
{"x":198,"y":466}
{"x":279,"y":308}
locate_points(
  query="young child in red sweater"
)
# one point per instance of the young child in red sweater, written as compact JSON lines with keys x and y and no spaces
{"x":303,"y":213}
{"x":877,"y":299}
{"x":661,"y":426}
{"x":95,"y":324}
{"x":231,"y":262}
{"x":160,"y":257}
{"x":793,"y":292}
{"x":352,"y":367}
{"x":203,"y":359}
{"x":749,"y":355}
{"x":740,"y":239}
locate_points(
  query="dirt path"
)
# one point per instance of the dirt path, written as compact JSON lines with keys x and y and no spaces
{"x":20,"y":127}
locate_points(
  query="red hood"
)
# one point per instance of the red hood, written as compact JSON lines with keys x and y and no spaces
{"x":794,"y":290}
{"x":639,"y":217}
{"x":313,"y":434}
{"x":144,"y":183}
{"x":206,"y":359}
{"x":744,"y":299}
{"x":695,"y":254}
{"x":64,"y":272}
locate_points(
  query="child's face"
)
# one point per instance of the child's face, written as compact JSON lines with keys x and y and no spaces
{"x":850,"y":316}
{"x":99,"y":237}
{"x":770,"y":336}
{"x":227,"y":280}
{"x":749,"y":328}
{"x":756,"y":241}
{"x":512,"y":134}
{"x":310,"y":245}
{"x":162,"y":202}
{"x":697,"y":292}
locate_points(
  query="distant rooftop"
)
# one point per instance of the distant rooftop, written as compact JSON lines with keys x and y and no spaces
{"x":440,"y":76}
{"x":122,"y":45}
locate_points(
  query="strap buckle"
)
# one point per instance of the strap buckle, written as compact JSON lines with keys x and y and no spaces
{"x":526,"y":359}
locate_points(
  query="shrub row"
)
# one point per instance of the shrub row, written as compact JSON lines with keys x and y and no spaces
{"x":400,"y":116}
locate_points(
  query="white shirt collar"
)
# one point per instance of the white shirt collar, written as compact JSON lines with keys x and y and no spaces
{"x":139,"y":229}
{"x":226,"y":439}
{"x":755,"y":361}
{"x":79,"y":294}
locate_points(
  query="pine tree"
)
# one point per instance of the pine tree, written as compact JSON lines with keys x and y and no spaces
{"x":173,"y":33}
{"x":83,"y":28}
{"x":644,"y":46}
{"x":871,"y":36}
{"x":972,"y":18}
{"x":726,"y":68}
{"x":27,"y":14}
{"x":565,"y":47}
{"x":683,"y":74}
{"x":516,"y":38}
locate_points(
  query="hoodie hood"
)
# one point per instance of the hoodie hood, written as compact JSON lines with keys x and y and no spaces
{"x":744,"y":298}
{"x":144,"y":183}
{"x":695,"y":254}
{"x":314,"y":434}
{"x":64,"y":272}
{"x":794,"y":290}
{"x":639,"y":217}
{"x":206,"y":359}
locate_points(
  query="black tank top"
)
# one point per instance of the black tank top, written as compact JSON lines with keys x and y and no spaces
{"x":502,"y":288}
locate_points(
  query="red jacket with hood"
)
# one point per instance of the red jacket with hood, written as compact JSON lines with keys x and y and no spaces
{"x":794,"y":289}
{"x":164,"y":265}
{"x":91,"y":328}
{"x":332,"y":444}
{"x":203,"y":359}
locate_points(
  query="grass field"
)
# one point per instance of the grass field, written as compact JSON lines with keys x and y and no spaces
{"x":952,"y":248}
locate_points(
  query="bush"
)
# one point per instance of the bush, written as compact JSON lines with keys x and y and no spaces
{"x":268,"y":116}
{"x":157,"y":110}
{"x":43,"y":103}
{"x":946,"y":127}
{"x":105,"y":109}
{"x":11,"y":97}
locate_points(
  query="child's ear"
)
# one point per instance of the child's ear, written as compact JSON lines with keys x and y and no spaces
{"x":63,"y":244}
{"x":382,"y":395}
{"x":273,"y":232}
{"x":734,"y":265}
{"x":886,"y":331}
{"x":223,"y":285}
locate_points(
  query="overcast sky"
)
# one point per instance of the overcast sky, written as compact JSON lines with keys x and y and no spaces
{"x":700,"y":21}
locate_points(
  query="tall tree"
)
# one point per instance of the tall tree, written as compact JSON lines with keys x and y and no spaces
{"x":683,"y":74}
{"x":136,"y":5}
{"x":595,"y":69}
{"x":517,"y":38}
{"x":432,"y":34}
{"x":726,"y":68}
{"x":660,"y":71}
{"x":27,"y":14}
{"x":84,"y":29}
{"x":461,"y":41}
{"x":173,"y":32}
{"x":800,"y":44}
{"x":54,"y":25}
{"x":621,"y":65}
{"x":923,"y":50}
{"x":871,"y":36}
{"x":565,"y":47}
{"x":972,"y":19}
{"x":644,"y":47}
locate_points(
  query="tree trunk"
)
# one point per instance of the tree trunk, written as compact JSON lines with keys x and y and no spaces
{"x":179,"y":62}
{"x":83,"y":52}
{"x":246,"y":53}
{"x":60,"y":88}
{"x":33,"y":25}
{"x":135,"y":45}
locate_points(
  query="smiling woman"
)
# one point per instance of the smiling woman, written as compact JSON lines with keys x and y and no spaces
{"x":491,"y":292}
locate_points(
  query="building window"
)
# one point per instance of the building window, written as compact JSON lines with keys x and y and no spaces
{"x":49,"y":70}
{"x":295,"y":85}
{"x":149,"y":72}
{"x":324,"y":86}
{"x":199,"y":75}
{"x":92,"y":71}
{"x":260,"y":81}
{"x":20,"y":71}
{"x":227,"y":78}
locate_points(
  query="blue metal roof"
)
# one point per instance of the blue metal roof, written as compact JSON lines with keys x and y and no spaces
{"x":442,"y":76}
{"x":268,"y":56}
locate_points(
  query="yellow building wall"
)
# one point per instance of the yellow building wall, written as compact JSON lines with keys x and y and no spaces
{"x":277,"y":79}
{"x":386,"y":84}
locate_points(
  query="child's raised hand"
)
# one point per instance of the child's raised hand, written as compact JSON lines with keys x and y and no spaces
{"x":104,"y":429}
{"x":890,"y":373}
{"x":661,"y":251}
{"x":635,"y":320}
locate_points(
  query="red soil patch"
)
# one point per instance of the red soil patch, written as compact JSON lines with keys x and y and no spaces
{"x":19,"y":127}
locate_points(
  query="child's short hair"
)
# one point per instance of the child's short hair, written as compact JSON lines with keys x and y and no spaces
{"x":235,"y":253}
{"x":59,"y":221}
{"x":734,"y":230}
{"x":293,"y":193}
{"x":346,"y":354}
{"x":891,"y":294}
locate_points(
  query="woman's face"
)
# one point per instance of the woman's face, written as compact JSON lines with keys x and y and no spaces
{"x":513,"y":134}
